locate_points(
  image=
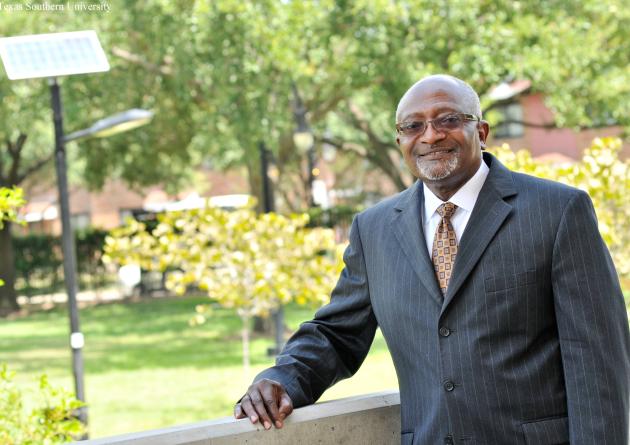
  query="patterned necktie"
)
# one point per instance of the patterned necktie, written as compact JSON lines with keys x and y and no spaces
{"x":444,"y":246}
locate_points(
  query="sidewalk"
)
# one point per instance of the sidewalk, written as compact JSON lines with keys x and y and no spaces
{"x":112,"y":293}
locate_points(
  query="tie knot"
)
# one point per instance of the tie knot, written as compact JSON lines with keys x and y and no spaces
{"x":446,"y":210}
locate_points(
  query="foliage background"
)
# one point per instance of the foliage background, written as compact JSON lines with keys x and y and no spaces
{"x":223,"y":75}
{"x":38,"y":261}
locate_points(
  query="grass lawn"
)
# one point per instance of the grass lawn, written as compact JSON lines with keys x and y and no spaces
{"x":146,"y":368}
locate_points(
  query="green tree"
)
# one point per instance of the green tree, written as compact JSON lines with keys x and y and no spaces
{"x":148,"y":47}
{"x":243,"y":260}
{"x":223,"y":76}
{"x":352,"y":60}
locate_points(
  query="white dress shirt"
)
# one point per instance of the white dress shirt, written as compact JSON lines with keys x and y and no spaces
{"x":465,"y":199}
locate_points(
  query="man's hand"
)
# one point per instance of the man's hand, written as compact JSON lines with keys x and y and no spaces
{"x":267,"y":401}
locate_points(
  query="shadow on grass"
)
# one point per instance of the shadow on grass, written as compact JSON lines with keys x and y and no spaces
{"x":147,"y":334}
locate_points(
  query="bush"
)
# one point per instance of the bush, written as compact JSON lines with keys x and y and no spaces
{"x":52,"y":422}
{"x":39,"y":261}
{"x":10,"y":201}
{"x":90,"y":243}
{"x":339,"y":215}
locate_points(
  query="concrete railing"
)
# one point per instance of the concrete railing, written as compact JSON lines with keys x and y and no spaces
{"x":366,"y":419}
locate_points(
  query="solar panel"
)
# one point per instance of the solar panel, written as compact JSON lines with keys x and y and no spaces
{"x":50,"y":55}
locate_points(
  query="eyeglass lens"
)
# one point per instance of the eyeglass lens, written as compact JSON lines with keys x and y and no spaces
{"x":446,"y":123}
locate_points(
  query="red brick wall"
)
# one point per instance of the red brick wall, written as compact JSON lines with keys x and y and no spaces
{"x":559,"y":140}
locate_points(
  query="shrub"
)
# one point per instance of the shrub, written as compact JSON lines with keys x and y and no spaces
{"x":39,"y":260}
{"x":50,"y":423}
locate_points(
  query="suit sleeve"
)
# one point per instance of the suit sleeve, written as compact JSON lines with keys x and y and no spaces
{"x":333,"y":345}
{"x":592,"y":327}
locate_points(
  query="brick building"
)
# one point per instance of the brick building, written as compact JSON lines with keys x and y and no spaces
{"x":517,"y":102}
{"x":109,"y":207}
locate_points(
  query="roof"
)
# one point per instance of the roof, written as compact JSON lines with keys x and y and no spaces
{"x":507,"y":90}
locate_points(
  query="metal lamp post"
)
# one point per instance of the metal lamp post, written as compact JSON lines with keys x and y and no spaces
{"x":304,"y":141}
{"x":49,"y":56}
{"x":106,"y":127}
{"x":269,"y":206}
{"x":268,"y":199}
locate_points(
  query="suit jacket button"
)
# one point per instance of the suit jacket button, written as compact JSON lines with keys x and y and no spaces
{"x":449,"y":386}
{"x":444,"y":331}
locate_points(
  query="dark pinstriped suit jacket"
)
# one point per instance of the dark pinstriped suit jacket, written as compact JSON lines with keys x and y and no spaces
{"x":530,"y":344}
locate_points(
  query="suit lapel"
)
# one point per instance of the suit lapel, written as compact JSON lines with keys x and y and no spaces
{"x":488,"y":215}
{"x":407,"y":224}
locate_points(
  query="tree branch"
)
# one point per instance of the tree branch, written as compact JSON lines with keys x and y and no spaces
{"x":287,"y":200}
{"x":15,"y":150}
{"x":324,"y":107}
{"x":139,"y":60}
{"x":377,"y":150}
{"x":33,"y":168}
{"x":358,"y":149}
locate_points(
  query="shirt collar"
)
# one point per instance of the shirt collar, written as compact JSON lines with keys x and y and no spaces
{"x":464,"y":198}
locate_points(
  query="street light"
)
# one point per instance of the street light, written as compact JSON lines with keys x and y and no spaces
{"x":105,"y":127}
{"x":268,"y":199}
{"x":303,"y":138}
{"x":50,"y":56}
{"x":269,"y":206}
{"x":111,"y":125}
{"x":117,"y":123}
{"x":304,"y":141}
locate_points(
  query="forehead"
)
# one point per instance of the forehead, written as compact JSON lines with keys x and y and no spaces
{"x":426,"y":101}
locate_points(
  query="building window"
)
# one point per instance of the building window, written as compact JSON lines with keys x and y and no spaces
{"x":511,"y":123}
{"x":80,"y":221}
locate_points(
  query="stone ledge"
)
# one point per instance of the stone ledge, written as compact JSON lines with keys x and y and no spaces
{"x":366,"y":419}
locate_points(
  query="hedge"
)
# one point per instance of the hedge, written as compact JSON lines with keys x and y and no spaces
{"x":39,"y":262}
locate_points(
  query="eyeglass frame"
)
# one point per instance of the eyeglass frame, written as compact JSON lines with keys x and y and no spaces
{"x":466,"y":117}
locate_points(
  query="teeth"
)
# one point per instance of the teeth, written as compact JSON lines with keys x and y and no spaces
{"x":438,"y":151}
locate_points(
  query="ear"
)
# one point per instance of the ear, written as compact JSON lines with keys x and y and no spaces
{"x":483,"y":130}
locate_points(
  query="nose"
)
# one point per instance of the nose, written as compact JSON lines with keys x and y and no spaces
{"x":431,"y":135}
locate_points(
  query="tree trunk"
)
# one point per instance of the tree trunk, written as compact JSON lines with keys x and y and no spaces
{"x":254,"y":178}
{"x":8,"y":296}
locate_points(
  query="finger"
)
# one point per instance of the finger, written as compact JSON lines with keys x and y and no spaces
{"x":248,"y":409}
{"x":260,"y":408}
{"x":238,"y":412}
{"x":286,"y":405}
{"x":270,"y":395}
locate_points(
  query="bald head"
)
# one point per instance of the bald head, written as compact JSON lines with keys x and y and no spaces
{"x":467,"y":97}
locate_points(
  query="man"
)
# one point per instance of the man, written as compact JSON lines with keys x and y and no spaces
{"x":494,"y":291}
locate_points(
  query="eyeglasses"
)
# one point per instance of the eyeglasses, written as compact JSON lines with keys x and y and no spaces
{"x":442,"y":124}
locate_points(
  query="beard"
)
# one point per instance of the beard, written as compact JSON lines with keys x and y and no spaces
{"x":437,"y":170}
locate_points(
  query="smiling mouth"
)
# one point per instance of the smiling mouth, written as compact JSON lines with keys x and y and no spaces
{"x":437,"y":154}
